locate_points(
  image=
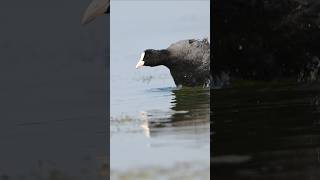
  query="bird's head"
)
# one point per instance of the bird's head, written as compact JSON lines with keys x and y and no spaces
{"x":151,"y":57}
{"x":96,"y":8}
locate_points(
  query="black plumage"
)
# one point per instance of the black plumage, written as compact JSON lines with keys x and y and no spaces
{"x":187,"y":60}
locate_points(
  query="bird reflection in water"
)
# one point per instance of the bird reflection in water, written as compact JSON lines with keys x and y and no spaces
{"x":189,"y":114}
{"x":145,"y":124}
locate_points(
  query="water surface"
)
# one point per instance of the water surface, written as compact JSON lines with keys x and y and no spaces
{"x":266,"y":131}
{"x":156,"y":127}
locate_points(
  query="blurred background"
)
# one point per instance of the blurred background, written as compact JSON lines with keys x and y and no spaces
{"x":53,"y":106}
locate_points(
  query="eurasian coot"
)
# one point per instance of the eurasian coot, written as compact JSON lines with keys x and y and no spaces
{"x":187,"y":60}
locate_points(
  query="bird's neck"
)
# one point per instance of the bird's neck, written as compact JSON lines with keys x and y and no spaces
{"x":163,"y":57}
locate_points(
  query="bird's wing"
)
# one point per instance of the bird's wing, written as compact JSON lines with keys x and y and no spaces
{"x":95,"y":8}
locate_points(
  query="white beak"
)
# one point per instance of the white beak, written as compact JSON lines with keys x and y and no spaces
{"x":141,"y":62}
{"x":95,"y":8}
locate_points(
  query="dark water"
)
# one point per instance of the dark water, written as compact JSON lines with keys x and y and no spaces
{"x":270,"y":131}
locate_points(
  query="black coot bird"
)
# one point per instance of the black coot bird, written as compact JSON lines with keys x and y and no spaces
{"x":187,"y":60}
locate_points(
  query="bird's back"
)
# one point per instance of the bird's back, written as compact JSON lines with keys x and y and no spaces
{"x":191,"y":59}
{"x":191,"y":50}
